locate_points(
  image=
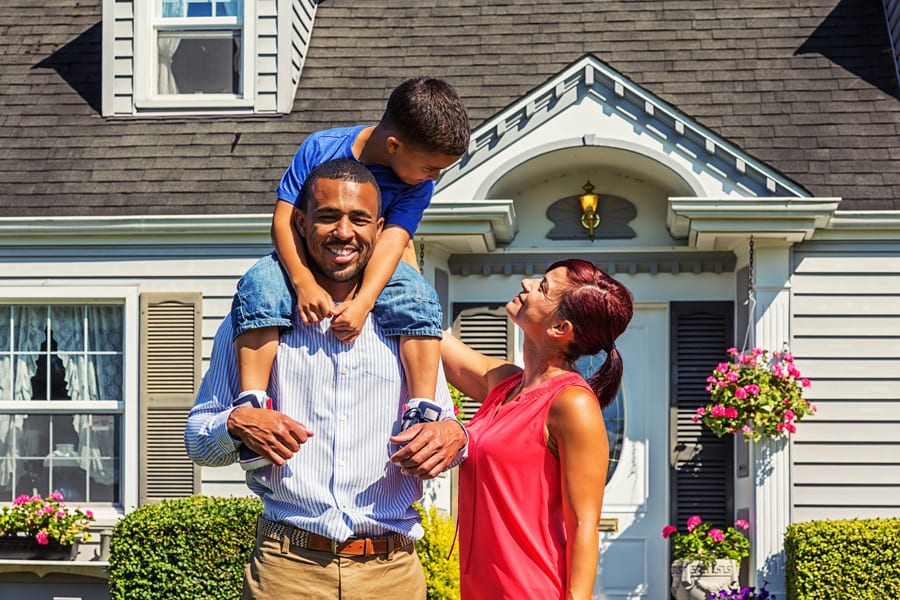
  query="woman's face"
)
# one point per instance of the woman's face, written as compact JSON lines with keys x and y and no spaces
{"x":537,"y":303}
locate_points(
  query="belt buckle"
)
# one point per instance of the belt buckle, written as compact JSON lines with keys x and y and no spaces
{"x":335,"y":552}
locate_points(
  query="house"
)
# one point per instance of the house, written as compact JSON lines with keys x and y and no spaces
{"x":734,"y":147}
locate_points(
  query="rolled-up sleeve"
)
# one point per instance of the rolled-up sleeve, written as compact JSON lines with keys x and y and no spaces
{"x":206,"y":436}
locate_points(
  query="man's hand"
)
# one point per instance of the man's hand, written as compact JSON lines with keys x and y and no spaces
{"x":348,"y":319}
{"x":269,"y":433}
{"x":430,"y":449}
{"x":313,"y":303}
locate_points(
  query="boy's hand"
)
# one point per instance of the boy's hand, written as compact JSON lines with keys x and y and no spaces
{"x":313,"y":303}
{"x":348,"y":318}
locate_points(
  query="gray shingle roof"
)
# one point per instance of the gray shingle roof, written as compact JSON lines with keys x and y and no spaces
{"x":807,"y":87}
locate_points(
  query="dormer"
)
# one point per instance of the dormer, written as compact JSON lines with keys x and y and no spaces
{"x":164,"y":58}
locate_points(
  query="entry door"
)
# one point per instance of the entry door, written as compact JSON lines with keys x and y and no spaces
{"x":634,"y":558}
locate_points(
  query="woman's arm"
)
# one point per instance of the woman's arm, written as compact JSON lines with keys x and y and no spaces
{"x":575,"y":423}
{"x":470,"y":371}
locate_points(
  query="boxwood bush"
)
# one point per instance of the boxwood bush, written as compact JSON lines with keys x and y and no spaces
{"x":196,"y":548}
{"x":850,"y":560}
{"x":191,"y":548}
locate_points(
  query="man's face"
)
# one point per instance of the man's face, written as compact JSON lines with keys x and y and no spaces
{"x":340,"y":226}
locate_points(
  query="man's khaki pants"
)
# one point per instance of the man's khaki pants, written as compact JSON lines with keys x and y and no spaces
{"x":274,"y":574}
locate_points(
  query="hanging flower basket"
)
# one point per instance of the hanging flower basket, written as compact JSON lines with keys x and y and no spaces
{"x":757,"y":394}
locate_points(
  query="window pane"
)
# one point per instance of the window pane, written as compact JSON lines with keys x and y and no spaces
{"x":613,"y":415}
{"x":29,"y":327}
{"x":199,"y":62}
{"x":67,"y":328}
{"x":179,"y":9}
{"x":75,"y":455}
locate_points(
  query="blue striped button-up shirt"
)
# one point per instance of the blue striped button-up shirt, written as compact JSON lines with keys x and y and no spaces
{"x":340,"y":483}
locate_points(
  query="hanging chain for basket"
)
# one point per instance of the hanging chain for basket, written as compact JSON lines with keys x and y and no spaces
{"x":750,"y":303}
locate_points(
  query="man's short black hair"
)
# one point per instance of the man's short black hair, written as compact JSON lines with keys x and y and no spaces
{"x":339,"y":169}
{"x":426,"y":112}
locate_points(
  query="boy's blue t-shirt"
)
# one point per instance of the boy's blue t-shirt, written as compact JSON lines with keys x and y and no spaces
{"x":401,"y":204}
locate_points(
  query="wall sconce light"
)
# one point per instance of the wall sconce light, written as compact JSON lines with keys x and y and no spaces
{"x":589,"y":217}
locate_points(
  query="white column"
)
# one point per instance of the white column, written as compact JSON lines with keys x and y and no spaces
{"x":771,"y":459}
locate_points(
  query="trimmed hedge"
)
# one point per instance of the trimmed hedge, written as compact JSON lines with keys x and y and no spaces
{"x":196,"y":548}
{"x":850,"y":560}
{"x":186,"y":549}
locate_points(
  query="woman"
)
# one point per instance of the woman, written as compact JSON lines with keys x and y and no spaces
{"x":532,"y":487}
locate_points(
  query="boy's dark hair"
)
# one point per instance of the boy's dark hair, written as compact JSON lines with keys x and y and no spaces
{"x":339,"y":169}
{"x":427,"y":113}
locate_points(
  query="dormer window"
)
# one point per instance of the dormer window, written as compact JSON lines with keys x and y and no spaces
{"x":195,"y":55}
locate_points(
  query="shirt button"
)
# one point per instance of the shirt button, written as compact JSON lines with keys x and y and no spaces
{"x":343,"y":370}
{"x":340,"y":463}
{"x":342,"y":418}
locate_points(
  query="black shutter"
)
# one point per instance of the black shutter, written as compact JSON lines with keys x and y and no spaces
{"x":702,"y":464}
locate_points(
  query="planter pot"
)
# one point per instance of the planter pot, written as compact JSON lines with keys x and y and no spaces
{"x":691,"y":580}
{"x":14,"y":547}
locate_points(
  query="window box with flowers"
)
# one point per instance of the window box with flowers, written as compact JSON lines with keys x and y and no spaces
{"x":706,"y":559}
{"x":42,"y":528}
{"x":757,"y":394}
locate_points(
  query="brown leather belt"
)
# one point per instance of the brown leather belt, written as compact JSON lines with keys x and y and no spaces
{"x":356,"y":546}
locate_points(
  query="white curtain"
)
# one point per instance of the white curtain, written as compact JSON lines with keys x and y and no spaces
{"x":167,"y":48}
{"x":15,"y":381}
{"x":94,"y":377}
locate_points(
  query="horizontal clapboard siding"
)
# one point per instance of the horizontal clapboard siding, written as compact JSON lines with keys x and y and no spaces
{"x":845,"y":336}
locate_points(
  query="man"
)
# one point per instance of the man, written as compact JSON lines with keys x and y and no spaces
{"x":337,"y":521}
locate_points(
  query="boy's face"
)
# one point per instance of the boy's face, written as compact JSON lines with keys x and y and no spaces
{"x":413,"y":165}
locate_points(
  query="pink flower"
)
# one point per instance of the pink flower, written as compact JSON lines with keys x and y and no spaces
{"x":693,"y":522}
{"x":89,"y":514}
{"x":742,"y":524}
{"x":790,"y":427}
{"x":746,"y":429}
{"x":717,"y":535}
{"x":701,"y":411}
{"x":722,"y":367}
{"x":740,"y":393}
{"x":668,"y":530}
{"x":55,"y":496}
{"x":789,"y":415}
{"x":718,"y":410}
{"x":60,"y":514}
{"x":731,"y":376}
{"x":788,"y":356}
{"x":23,"y":499}
{"x":455,"y":410}
{"x":48,"y":509}
{"x":805,"y":382}
{"x":731,"y":412}
{"x":732,"y":351}
{"x":695,"y":419}
{"x":780,"y":427}
{"x":42,"y":538}
{"x":752,"y":389}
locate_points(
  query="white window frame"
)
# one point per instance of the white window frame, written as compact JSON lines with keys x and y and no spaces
{"x":146,"y":65}
{"x":106,"y":514}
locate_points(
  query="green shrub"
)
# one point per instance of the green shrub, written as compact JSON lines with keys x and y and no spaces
{"x":192,"y":549}
{"x":850,"y":560}
{"x":441,"y":567}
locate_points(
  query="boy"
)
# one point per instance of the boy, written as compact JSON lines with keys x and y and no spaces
{"x":424,"y":130}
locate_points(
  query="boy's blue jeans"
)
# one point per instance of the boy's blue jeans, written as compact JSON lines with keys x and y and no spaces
{"x":408,"y":305}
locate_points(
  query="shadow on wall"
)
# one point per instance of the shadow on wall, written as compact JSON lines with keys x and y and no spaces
{"x":855,"y":36}
{"x":79,"y":64}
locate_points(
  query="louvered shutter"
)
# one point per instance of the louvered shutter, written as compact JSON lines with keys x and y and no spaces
{"x":487,"y":329}
{"x":702,"y":464}
{"x":170,"y":375}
